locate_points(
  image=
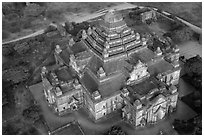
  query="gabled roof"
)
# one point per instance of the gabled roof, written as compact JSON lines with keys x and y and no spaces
{"x":64,"y":55}
{"x":78,"y":47}
{"x":94,"y":64}
{"x":160,"y":67}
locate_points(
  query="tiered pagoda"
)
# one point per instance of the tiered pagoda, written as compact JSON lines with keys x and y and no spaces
{"x":112,"y":39}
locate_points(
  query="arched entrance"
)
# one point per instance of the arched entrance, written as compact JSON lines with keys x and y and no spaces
{"x":143,"y":122}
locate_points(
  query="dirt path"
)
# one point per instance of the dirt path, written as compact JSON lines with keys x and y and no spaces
{"x":25,"y":37}
{"x":193,"y":27}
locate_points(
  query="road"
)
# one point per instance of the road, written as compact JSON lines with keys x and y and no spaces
{"x":25,"y":37}
{"x":193,"y":27}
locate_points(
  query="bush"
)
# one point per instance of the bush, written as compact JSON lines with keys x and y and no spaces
{"x":16,"y":75}
{"x":12,"y":17}
{"x":22,"y":48}
{"x":32,"y":113}
{"x":193,"y":68}
{"x":181,"y":34}
{"x":13,"y":7}
{"x":9,"y":130}
{"x":33,"y":10}
{"x":53,"y":14}
{"x":115,"y":130}
{"x":69,"y":26}
{"x":14,"y":27}
{"x":5,"y":34}
{"x":26,"y":22}
{"x":50,"y":28}
{"x":7,"y":50}
{"x":78,"y":27}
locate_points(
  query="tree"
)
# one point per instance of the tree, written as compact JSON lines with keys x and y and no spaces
{"x":193,"y":69}
{"x":13,"y":7}
{"x":32,"y":113}
{"x":193,"y":66}
{"x":181,"y":35}
{"x":9,"y":130}
{"x":7,"y":50}
{"x":16,"y":75}
{"x":115,"y":130}
{"x":69,"y":26}
{"x":78,"y":27}
{"x":61,"y":30}
{"x":33,"y":10}
{"x":50,"y":28}
{"x":22,"y":48}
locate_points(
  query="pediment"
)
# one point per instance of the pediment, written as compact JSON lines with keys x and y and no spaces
{"x":159,"y":99}
{"x":139,"y":64}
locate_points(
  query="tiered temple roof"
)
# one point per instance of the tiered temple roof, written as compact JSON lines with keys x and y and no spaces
{"x":112,"y":39}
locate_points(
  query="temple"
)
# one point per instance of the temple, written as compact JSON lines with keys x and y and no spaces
{"x":116,"y":70}
{"x":112,"y":39}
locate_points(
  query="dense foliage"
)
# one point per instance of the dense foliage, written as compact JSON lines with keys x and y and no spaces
{"x":115,"y":130}
{"x":18,"y":16}
{"x":193,"y":68}
{"x":32,"y":113}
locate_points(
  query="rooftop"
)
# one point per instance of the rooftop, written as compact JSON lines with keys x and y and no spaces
{"x":78,"y":47}
{"x":62,"y":78}
{"x":159,"y":67}
{"x":65,"y":74}
{"x":89,"y":83}
{"x":65,"y":55}
{"x":111,"y":86}
{"x":115,"y":66}
{"x":94,"y":64}
{"x":110,"y":67}
{"x":145,"y":55}
{"x":83,"y":55}
{"x":143,"y":88}
{"x":106,"y":88}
